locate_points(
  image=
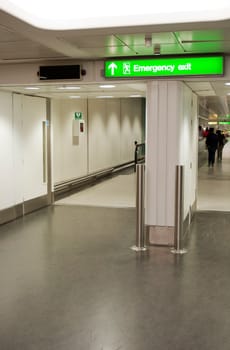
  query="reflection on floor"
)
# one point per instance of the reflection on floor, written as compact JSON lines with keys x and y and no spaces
{"x":118,"y":192}
{"x":214,"y":184}
{"x":69,"y":280}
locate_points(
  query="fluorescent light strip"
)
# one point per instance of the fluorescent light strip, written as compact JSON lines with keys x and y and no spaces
{"x":104,"y":97}
{"x":69,"y":88}
{"x":107,"y":86}
{"x":32,"y":88}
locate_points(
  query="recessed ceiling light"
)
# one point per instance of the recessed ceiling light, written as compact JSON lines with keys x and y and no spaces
{"x":69,"y":88}
{"x":104,"y":96}
{"x":32,"y":88}
{"x":227,"y":83}
{"x":74,"y":96}
{"x":135,"y":96}
{"x":107,"y":86}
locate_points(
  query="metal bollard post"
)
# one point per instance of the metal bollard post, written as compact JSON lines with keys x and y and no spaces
{"x":179,"y":211}
{"x":140,"y":236}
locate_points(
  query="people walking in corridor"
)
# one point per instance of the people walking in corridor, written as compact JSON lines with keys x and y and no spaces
{"x":221,"y":143}
{"x":212,"y":144}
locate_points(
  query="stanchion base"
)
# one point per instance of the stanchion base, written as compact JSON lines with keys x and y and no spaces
{"x":179,"y":251}
{"x":138,"y":249}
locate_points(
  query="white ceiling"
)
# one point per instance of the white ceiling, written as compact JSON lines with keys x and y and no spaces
{"x":71,"y":15}
{"x":80,"y":90}
{"x":21,"y":42}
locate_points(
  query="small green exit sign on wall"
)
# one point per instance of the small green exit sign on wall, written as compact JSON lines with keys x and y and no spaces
{"x":77,"y":115}
{"x":165,"y":67}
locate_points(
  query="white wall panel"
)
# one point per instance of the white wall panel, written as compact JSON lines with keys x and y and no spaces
{"x":69,"y":154}
{"x":21,"y":148}
{"x":74,"y":151}
{"x":57,"y":155}
{"x":127,"y":144}
{"x":194,"y":151}
{"x":188,"y":147}
{"x":7,"y":173}
{"x":113,"y":133}
{"x":104,"y":134}
{"x":97,"y":132}
{"x":131,"y":127}
{"x":108,"y":139}
{"x":18,"y":156}
{"x":34,"y":113}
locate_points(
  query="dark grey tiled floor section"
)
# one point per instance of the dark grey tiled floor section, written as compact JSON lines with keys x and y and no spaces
{"x":70,"y":282}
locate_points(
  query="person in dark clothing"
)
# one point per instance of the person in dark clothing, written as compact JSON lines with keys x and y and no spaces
{"x":221,"y":143}
{"x":211,"y":143}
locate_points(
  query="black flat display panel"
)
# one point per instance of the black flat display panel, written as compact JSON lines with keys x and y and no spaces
{"x":60,"y":72}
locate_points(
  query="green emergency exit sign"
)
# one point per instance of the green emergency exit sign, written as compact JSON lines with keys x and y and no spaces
{"x":165,"y":67}
{"x":78,"y":115}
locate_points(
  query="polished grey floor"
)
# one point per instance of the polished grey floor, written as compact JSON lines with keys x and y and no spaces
{"x":214,"y":183}
{"x":69,"y":281}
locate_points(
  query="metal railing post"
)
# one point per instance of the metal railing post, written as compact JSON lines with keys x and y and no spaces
{"x":135,"y":160}
{"x":179,"y":211}
{"x":140,"y":235}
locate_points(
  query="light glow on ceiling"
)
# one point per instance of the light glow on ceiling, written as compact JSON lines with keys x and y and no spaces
{"x":69,"y":88}
{"x":32,"y":88}
{"x":107,"y":86}
{"x":71,"y":14}
{"x":107,"y":96}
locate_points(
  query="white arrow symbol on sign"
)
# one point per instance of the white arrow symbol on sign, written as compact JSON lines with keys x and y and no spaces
{"x":112,"y":66}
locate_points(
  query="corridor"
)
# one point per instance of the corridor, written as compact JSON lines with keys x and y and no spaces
{"x":69,"y":280}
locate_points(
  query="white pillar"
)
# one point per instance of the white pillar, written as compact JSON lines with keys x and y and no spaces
{"x":164,"y":151}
